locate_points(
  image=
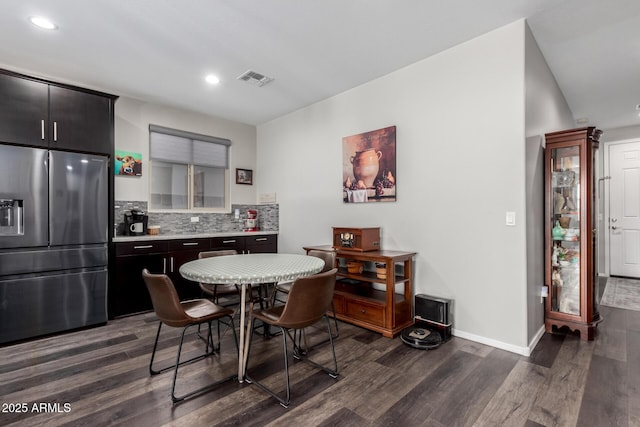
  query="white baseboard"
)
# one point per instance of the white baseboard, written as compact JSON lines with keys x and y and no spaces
{"x":524,"y":351}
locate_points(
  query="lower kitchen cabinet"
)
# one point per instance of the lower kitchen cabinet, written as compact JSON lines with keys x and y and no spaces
{"x":128,"y":293}
{"x":246,"y":244}
{"x":180,"y":252}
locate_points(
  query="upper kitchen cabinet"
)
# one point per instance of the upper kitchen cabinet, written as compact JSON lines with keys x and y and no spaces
{"x":24,"y":111}
{"x":38,"y":113}
{"x":80,"y":121}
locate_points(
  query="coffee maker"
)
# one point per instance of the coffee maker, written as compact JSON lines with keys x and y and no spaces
{"x":135,"y":222}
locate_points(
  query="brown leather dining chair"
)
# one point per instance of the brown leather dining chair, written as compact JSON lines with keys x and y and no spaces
{"x":215,"y":291}
{"x":329,"y":258}
{"x":183,"y":314}
{"x":308,"y":302}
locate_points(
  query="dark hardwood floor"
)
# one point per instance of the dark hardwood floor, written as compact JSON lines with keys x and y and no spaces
{"x":102,"y":377}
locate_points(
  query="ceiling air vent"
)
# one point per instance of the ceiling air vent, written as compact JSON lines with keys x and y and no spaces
{"x":255,"y":78}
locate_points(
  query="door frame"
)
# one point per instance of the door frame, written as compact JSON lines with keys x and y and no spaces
{"x":604,"y":184}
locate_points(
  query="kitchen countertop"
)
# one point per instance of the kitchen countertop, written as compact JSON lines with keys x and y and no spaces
{"x":119,"y":239}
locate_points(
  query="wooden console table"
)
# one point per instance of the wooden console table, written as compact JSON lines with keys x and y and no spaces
{"x":358,"y":301}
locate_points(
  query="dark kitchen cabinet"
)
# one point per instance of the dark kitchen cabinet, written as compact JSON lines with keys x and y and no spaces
{"x":180,"y":252}
{"x":128,"y":293}
{"x":261,"y":243}
{"x":246,"y":244}
{"x":229,"y":242}
{"x":80,"y":121}
{"x":38,"y":113}
{"x":24,"y":110}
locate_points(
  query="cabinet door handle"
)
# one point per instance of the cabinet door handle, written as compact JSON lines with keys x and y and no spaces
{"x":171,"y":264}
{"x":55,"y":131}
{"x":228,"y":241}
{"x":143,"y":247}
{"x":190,"y":244}
{"x":42,"y":129}
{"x":262,"y":239}
{"x":363,"y":311}
{"x":164,"y":266}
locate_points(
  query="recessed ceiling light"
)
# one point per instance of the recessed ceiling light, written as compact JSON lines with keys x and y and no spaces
{"x":42,"y":22}
{"x":214,"y":80}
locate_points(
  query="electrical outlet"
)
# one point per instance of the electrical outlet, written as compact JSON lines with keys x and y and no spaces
{"x":195,"y":219}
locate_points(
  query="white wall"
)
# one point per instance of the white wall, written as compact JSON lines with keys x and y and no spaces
{"x":132,"y":119}
{"x":546,"y":111}
{"x":460,"y":166}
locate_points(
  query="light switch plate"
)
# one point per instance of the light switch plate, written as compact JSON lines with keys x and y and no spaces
{"x":511,"y":218}
{"x":195,"y":219}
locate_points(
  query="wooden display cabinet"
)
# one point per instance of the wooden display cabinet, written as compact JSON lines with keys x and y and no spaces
{"x":570,"y":231}
{"x":379,"y":308}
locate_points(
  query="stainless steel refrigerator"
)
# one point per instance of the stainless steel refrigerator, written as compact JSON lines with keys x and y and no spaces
{"x":53,"y":241}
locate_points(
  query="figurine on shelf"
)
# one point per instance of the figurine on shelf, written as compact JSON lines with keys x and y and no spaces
{"x":556,"y":280}
{"x":558,"y":232}
{"x":558,"y":202}
{"x":568,"y":205}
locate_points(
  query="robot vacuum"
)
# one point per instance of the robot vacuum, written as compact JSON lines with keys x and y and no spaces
{"x":422,"y":338}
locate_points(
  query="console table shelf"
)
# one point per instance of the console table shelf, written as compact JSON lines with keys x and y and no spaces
{"x":357,"y":299}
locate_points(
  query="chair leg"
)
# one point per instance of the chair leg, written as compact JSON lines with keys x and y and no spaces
{"x":208,"y":352}
{"x":335,"y":321}
{"x":299,"y":353}
{"x":153,"y":353}
{"x":287,"y":399}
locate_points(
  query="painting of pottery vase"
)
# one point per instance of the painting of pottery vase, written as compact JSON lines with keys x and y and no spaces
{"x":369,"y":166}
{"x":366,"y":165}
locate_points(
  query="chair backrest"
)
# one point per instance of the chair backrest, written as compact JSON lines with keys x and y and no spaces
{"x":211,"y":288}
{"x":222,"y":252}
{"x":309,"y":299}
{"x":329,"y":258}
{"x":165,"y":300}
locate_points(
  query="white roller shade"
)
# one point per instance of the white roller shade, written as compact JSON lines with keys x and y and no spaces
{"x":177,"y":146}
{"x":210,"y":154}
{"x":169,"y":148}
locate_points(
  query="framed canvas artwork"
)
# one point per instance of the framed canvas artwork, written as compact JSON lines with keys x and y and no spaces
{"x":369,"y":166}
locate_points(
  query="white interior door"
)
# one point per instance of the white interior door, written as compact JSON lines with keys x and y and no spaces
{"x":624,"y":209}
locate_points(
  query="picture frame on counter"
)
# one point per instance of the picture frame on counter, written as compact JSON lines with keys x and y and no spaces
{"x":244,"y":176}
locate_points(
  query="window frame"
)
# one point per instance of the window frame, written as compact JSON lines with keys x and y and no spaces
{"x":190,"y":170}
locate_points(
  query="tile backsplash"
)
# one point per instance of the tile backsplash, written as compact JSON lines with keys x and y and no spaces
{"x":180,"y":223}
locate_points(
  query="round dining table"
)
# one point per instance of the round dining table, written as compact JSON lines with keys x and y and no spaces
{"x":245,"y":270}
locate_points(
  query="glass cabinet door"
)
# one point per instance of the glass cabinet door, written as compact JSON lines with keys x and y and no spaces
{"x":565,"y":230}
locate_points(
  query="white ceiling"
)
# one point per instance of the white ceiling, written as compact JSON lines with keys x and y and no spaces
{"x":161,"y":50}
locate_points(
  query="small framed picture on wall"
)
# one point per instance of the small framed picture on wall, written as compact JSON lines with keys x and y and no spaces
{"x":244,"y":176}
